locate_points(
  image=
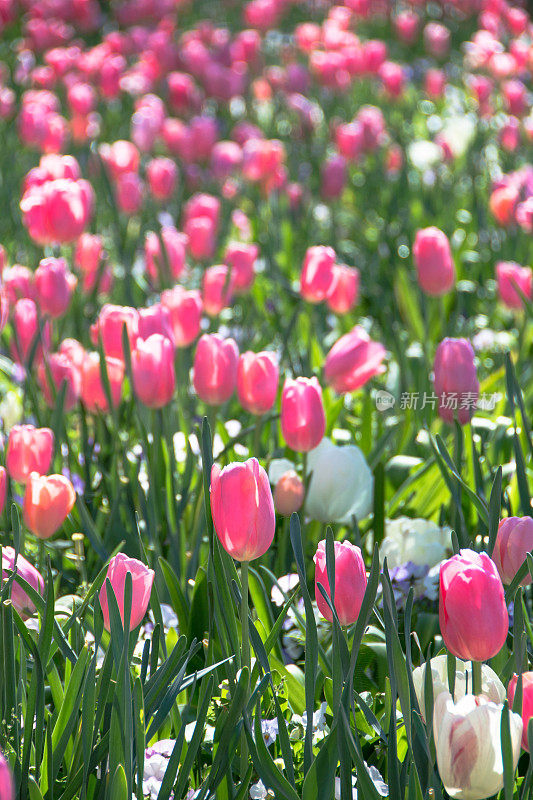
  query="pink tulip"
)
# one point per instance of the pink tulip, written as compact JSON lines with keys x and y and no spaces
{"x":303,"y":420}
{"x":289,"y":493}
{"x":93,"y":394}
{"x":7,"y":786}
{"x":257,"y":381}
{"x":472,"y":612}
{"x":317,"y":273}
{"x":350,"y":581}
{"x":109,"y":327}
{"x":3,"y":488}
{"x":48,"y":500}
{"x":242,"y":509}
{"x":142,"y":579}
{"x":129,"y":190}
{"x":215,"y":368}
{"x":435,"y":83}
{"x":20,"y":599}
{"x":29,"y":449}
{"x":433,"y":261}
{"x":334,"y":175}
{"x":185,"y":309}
{"x":349,"y":140}
{"x":455,"y":380}
{"x":436,"y":39}
{"x":26,"y":327}
{"x":152,"y":364}
{"x":18,"y":283}
{"x":353,"y":360}
{"x":513,"y":542}
{"x":527,"y":702}
{"x":162,"y":176}
{"x":169,"y":264}
{"x":201,"y":235}
{"x":54,"y":285}
{"x":155,"y":319}
{"x":217,"y":289}
{"x":241,"y":257}
{"x":513,"y":282}
{"x":120,"y":158}
{"x":57,"y":211}
{"x":344,"y":289}
{"x":60,"y":369}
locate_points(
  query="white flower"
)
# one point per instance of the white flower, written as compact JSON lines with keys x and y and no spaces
{"x":155,"y":765}
{"x":491,"y":685}
{"x":277,"y":468}
{"x":458,"y":132}
{"x":285,"y":584}
{"x":258,"y":791}
{"x":468,"y":744}
{"x":270,"y":730}
{"x":342,"y":484}
{"x":11,"y":410}
{"x":417,"y":540}
{"x":424,"y":154}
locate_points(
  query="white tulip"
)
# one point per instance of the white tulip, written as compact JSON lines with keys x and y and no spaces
{"x":468,"y":744}
{"x":417,"y":540}
{"x":342,"y":484}
{"x":491,"y":685}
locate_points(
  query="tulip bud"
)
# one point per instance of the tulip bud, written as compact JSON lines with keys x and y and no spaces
{"x":217,"y":289}
{"x":201,"y":236}
{"x":514,"y":541}
{"x":214,"y":374}
{"x":472,"y":612}
{"x":513,"y":282}
{"x":48,"y":500}
{"x":152,"y":364}
{"x":7,"y":786}
{"x":433,"y":261}
{"x":185,"y":308}
{"x":455,"y":380}
{"x":344,"y":289}
{"x":353,"y":360}
{"x":93,"y":394}
{"x":60,"y":369}
{"x":20,"y":599}
{"x":162,"y":176}
{"x":334,"y":175}
{"x":317,"y":273}
{"x":491,"y":685}
{"x":468,"y":745}
{"x":303,"y":420}
{"x":242,"y":509}
{"x":257,"y":381}
{"x":29,"y":449}
{"x":54,"y":285}
{"x":341,"y":485}
{"x":142,"y":579}
{"x":350,"y":581}
{"x":289,"y":493}
{"x":527,"y":702}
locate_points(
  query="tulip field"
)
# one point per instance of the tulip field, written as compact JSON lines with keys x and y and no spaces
{"x":266,"y":399}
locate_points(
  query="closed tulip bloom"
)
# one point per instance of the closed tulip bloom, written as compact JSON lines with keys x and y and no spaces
{"x":20,"y":599}
{"x":217,"y":289}
{"x":241,"y":257}
{"x":152,"y":364}
{"x":527,"y":702}
{"x":48,"y":500}
{"x":26,"y":329}
{"x":155,"y":319}
{"x":455,"y":380}
{"x":341,"y":485}
{"x":3,"y":488}
{"x":350,"y":581}
{"x":491,"y":685}
{"x":289,"y":493}
{"x":29,"y":449}
{"x":433,"y":260}
{"x":185,"y":309}
{"x":109,"y":327}
{"x":257,"y":381}
{"x":468,"y":745}
{"x":513,"y":542}
{"x":353,"y":360}
{"x":7,"y":786}
{"x":317,"y":273}
{"x":56,"y":370}
{"x":201,"y":237}
{"x":303,"y":419}
{"x":334,"y":174}
{"x":172,"y":260}
{"x":162,"y":177}
{"x":242,"y":509}
{"x":513,"y":282}
{"x":472,"y":613}
{"x":93,"y":393}
{"x":142,"y":579}
{"x":54,"y":285}
{"x":214,"y":374}
{"x":344,"y":289}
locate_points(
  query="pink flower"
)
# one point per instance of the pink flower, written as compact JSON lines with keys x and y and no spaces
{"x":20,"y":599}
{"x":455,"y":380}
{"x":142,"y":579}
{"x":317,"y":273}
{"x":513,"y":542}
{"x":29,"y":449}
{"x":54,"y":285}
{"x":513,"y":281}
{"x":152,"y":364}
{"x":353,"y":360}
{"x":303,"y":420}
{"x":350,"y":581}
{"x":48,"y":500}
{"x":215,"y":368}
{"x":433,"y":261}
{"x":257,"y":381}
{"x":242,"y":509}
{"x":185,"y":309}
{"x":527,"y":702}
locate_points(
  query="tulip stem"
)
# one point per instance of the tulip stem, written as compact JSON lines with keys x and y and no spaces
{"x":476,"y":677}
{"x":245,"y":653}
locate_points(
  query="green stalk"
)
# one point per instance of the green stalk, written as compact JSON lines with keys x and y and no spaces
{"x":476,"y":677}
{"x":245,"y":654}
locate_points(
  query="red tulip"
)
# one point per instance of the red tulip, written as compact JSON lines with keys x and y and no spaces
{"x":350,"y":581}
{"x":142,"y":579}
{"x":303,"y":420}
{"x":215,"y":368}
{"x":243,"y":509}
{"x":472,"y":612}
{"x":152,"y":364}
{"x":29,"y":449}
{"x":257,"y":381}
{"x":48,"y":500}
